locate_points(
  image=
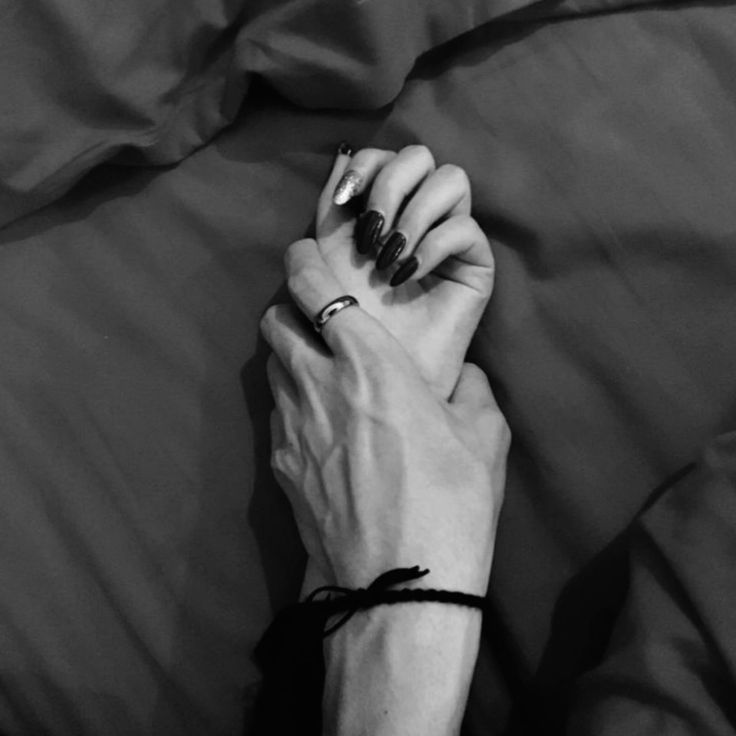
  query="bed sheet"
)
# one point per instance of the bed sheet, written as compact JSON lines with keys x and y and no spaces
{"x":145,"y":544}
{"x":149,"y":81}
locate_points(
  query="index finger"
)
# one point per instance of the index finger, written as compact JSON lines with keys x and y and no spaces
{"x":313,"y":286}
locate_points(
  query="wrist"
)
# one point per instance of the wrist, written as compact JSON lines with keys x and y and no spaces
{"x":403,"y":669}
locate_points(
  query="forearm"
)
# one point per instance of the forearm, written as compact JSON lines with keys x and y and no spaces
{"x":401,"y":670}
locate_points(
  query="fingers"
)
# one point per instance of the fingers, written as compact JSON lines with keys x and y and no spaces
{"x":295,"y":344}
{"x":357,"y":174}
{"x":310,"y":279}
{"x":424,"y":214}
{"x":351,"y":176}
{"x":443,"y":194}
{"x":417,"y":219}
{"x":313,"y":286}
{"x":392,"y":186}
{"x":457,"y":250}
{"x":474,"y":402}
{"x":331,"y":216}
{"x":472,"y":388}
{"x":387,"y":177}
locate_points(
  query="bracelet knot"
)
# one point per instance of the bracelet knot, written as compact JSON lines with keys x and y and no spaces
{"x":353,"y":600}
{"x":379,"y":592}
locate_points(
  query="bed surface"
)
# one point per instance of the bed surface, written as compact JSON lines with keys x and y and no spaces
{"x":145,"y":545}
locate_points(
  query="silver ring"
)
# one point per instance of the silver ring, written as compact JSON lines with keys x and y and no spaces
{"x":330,"y":310}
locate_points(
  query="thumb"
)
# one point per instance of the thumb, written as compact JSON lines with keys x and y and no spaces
{"x":472,"y":389}
{"x":475,"y":405}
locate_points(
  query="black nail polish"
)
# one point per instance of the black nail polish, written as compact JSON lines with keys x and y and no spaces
{"x":391,"y":251}
{"x":345,"y":149}
{"x":404,"y":271}
{"x":367,"y":230}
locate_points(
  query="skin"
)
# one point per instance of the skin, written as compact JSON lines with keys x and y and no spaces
{"x":379,"y":470}
{"x":391,"y":451}
{"x":435,"y":313}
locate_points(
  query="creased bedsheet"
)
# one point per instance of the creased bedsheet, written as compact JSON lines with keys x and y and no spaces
{"x":149,"y":81}
{"x":145,"y":544}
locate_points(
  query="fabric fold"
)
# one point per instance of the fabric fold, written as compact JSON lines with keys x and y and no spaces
{"x":671,"y":664}
{"x":150,"y":81}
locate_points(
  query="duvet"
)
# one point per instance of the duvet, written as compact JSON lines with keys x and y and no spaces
{"x":155,"y":161}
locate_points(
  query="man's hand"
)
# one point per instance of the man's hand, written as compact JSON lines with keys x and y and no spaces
{"x":391,"y":451}
{"x":416,"y":226}
{"x":381,"y":472}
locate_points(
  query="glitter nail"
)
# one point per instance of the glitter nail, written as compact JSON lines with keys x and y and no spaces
{"x":347,"y":187}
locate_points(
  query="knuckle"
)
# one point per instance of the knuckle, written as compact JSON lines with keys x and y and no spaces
{"x":478,"y":374}
{"x":466,"y":224}
{"x":385,"y":189}
{"x":268,"y":320}
{"x":293,"y":282}
{"x":477,"y":232}
{"x":421,"y":152}
{"x":280,"y":460}
{"x":290,"y":255}
{"x":474,"y":225}
{"x":301,"y":281}
{"x":474,"y":233}
{"x":490,"y":258}
{"x":295,"y":254}
{"x":388,"y":189}
{"x":364,"y":155}
{"x":455,"y":175}
{"x":490,"y":255}
{"x":300,"y":266}
{"x":431,"y":241}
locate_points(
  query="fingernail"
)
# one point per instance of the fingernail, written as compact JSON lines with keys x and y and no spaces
{"x":405,"y":271}
{"x":345,"y":149}
{"x":367,"y":230}
{"x":390,"y":251}
{"x":347,"y":187}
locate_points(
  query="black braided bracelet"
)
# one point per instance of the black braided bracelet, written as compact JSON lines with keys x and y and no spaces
{"x":377,"y":593}
{"x":290,"y":653}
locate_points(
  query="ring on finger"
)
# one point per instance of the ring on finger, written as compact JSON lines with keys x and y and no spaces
{"x":330,"y":310}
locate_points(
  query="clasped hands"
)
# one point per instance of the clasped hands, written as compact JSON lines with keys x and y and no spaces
{"x":391,"y":450}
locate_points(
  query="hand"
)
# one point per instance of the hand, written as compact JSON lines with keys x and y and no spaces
{"x":435,"y":312}
{"x":380,"y":471}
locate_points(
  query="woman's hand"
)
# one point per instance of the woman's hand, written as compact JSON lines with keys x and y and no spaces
{"x":433,"y":270}
{"x":380,"y":470}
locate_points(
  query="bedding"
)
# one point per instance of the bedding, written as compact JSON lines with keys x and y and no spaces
{"x":149,"y":81}
{"x":670,"y":664}
{"x":86,"y":81}
{"x":145,"y":545}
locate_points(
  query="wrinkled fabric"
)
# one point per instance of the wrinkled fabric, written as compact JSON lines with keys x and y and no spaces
{"x":670,"y":667}
{"x":150,"y":81}
{"x":145,"y":545}
{"x":81,"y":82}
